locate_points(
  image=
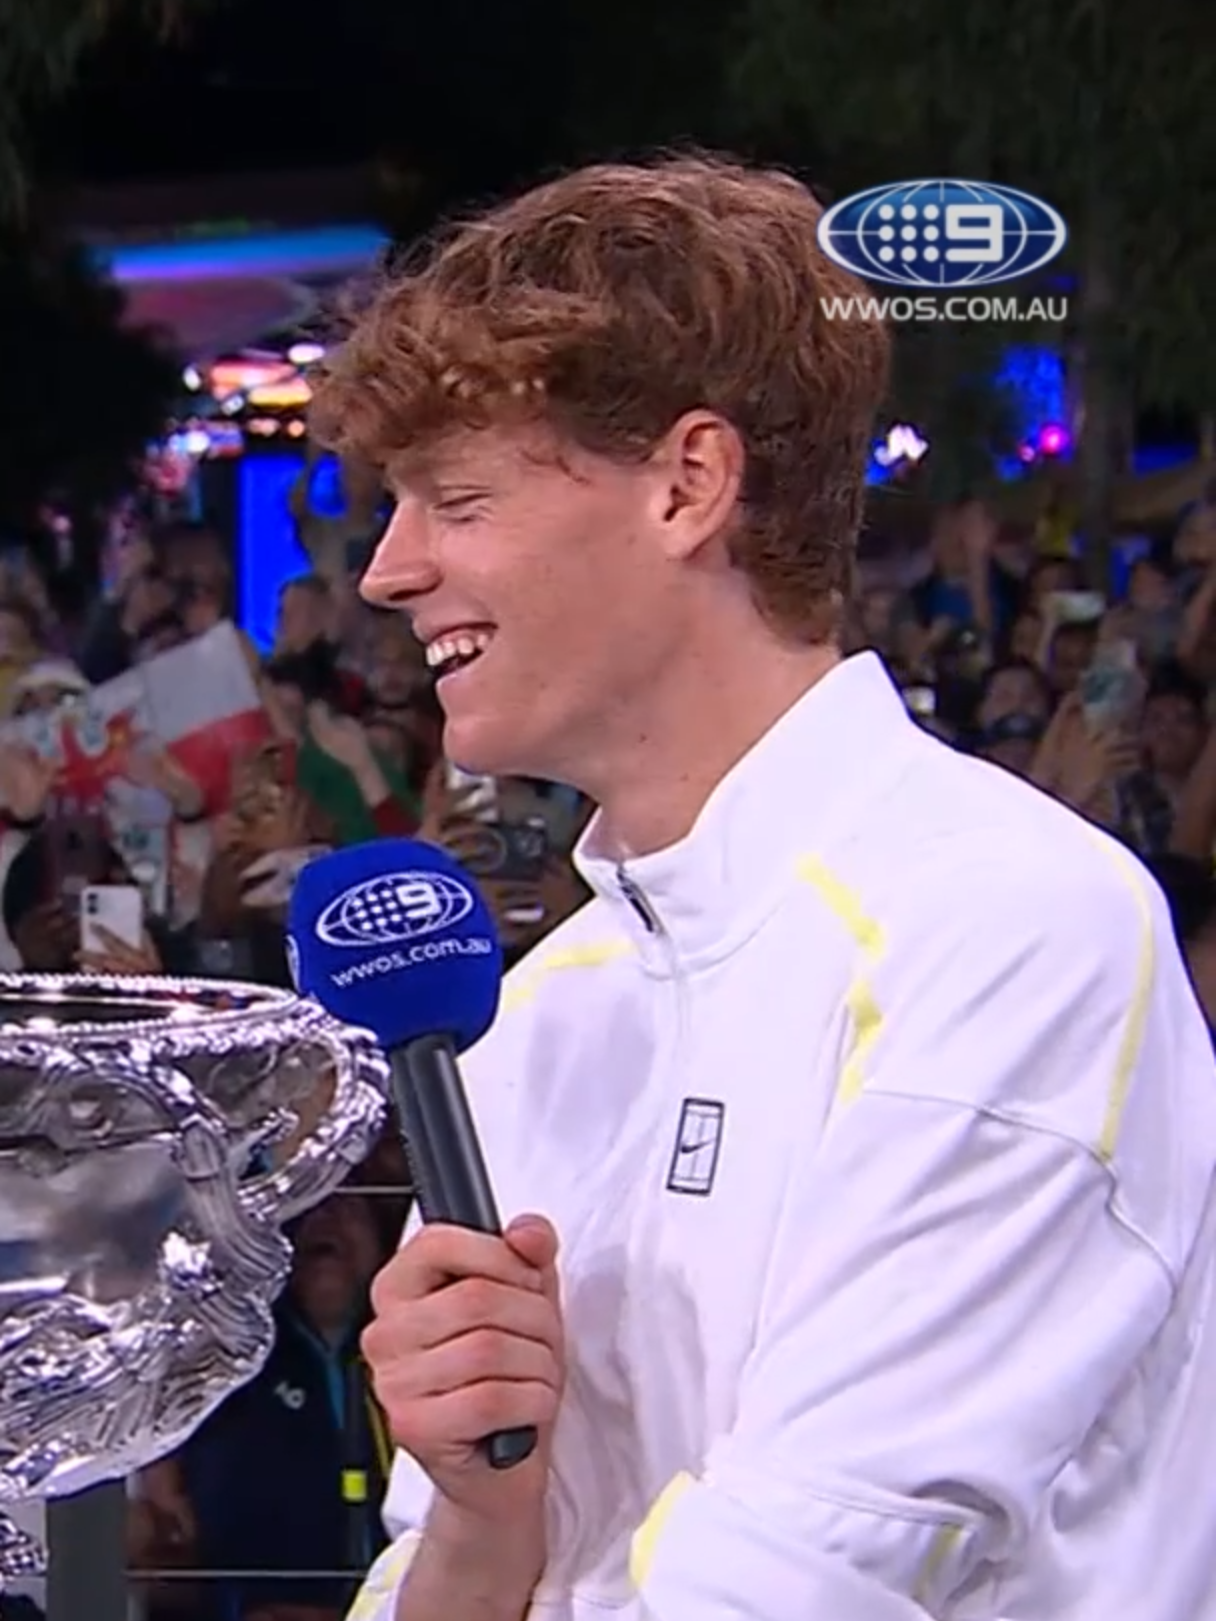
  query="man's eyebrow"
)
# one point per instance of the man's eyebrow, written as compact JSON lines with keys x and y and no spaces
{"x":432,"y":479}
{"x":457,"y":489}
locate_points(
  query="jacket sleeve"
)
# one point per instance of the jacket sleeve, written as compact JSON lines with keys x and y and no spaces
{"x":406,"y":1505}
{"x":975,"y":1262}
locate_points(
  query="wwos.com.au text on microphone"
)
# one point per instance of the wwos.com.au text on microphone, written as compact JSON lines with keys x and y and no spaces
{"x":389,"y":962}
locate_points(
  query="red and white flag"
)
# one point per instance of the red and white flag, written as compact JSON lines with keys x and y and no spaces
{"x":198,"y":702}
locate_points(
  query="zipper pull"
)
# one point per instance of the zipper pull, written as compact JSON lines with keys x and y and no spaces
{"x":637,"y":899}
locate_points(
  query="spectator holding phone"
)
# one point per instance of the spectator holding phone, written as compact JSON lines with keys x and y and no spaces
{"x":530,"y":886}
{"x":1082,"y":765}
{"x":41,"y":908}
{"x":1173,"y":729}
{"x":1012,"y":715}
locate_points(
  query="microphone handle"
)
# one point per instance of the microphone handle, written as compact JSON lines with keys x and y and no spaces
{"x":449,"y":1172}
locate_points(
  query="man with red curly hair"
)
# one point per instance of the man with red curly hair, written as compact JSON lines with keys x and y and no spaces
{"x":867,"y":1100}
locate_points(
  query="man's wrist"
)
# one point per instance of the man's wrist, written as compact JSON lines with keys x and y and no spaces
{"x":517,"y":1543}
{"x":480,"y":1569}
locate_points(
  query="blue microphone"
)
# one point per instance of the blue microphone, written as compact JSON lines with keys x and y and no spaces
{"x":395,"y":937}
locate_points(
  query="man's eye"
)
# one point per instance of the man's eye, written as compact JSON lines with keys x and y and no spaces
{"x":460,"y":508}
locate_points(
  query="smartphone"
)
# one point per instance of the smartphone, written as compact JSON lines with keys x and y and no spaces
{"x":515,"y":852}
{"x":1112,"y":689}
{"x":117,"y":908}
{"x":1075,"y":607}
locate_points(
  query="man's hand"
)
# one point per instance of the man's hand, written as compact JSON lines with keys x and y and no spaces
{"x":119,"y":957}
{"x":466,"y":1340}
{"x":25,"y":781}
{"x":46,"y":938}
{"x":341,"y":737}
{"x":1082,"y":767}
{"x":155,"y":767}
{"x":448,"y":816}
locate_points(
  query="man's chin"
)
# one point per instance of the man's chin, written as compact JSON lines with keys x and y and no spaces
{"x":479,"y":744}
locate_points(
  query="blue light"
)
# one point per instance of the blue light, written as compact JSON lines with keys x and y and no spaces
{"x":269,"y":552}
{"x":1033,"y":377}
{"x":325,"y":493}
{"x":293,"y":254}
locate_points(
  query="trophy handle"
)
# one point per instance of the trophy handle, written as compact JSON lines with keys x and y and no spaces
{"x":346,"y":1130}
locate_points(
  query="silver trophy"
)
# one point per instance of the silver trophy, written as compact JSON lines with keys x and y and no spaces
{"x":155,"y":1134}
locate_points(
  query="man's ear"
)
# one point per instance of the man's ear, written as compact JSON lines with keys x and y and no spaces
{"x":698,"y":471}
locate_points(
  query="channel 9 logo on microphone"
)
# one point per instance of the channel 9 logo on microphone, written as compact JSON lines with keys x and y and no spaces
{"x":394,"y":907}
{"x":407,"y":912}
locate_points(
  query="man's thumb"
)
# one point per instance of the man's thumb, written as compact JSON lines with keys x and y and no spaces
{"x":533,"y":1240}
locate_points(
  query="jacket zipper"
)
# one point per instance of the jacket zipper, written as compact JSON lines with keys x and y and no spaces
{"x":636,"y":898}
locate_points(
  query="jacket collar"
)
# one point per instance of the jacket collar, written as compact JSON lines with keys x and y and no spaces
{"x":804,"y":780}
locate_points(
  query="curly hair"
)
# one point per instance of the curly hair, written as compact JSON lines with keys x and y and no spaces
{"x":606,"y":304}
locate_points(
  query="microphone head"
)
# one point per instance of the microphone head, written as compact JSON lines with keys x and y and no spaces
{"x":395,"y":936}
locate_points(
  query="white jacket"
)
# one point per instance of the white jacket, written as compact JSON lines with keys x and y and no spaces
{"x":882,"y":1158}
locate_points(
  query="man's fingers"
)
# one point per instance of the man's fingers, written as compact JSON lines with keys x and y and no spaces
{"x":480,"y":1356}
{"x":439,"y":1255}
{"x":534,"y":1240}
{"x":464,"y":1417}
{"x":466,"y":1307}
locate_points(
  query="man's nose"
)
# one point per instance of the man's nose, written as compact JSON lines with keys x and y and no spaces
{"x":403,"y":566}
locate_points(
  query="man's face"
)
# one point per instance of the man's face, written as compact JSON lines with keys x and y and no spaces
{"x":560,"y":563}
{"x":1149,"y":590}
{"x":1048,"y":578}
{"x":197,"y":560}
{"x":397,"y":669}
{"x":1172,"y":731}
{"x":42,"y":700}
{"x":1013,"y":691}
{"x":336,"y":1252}
{"x":1025,"y":637}
{"x":1072,"y":647}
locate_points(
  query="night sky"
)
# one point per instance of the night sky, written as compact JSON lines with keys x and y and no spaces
{"x":471,"y":93}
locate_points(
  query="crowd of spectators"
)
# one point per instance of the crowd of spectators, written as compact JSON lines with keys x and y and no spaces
{"x":1102,"y":698}
{"x":1105,"y":699}
{"x":276,"y":1498}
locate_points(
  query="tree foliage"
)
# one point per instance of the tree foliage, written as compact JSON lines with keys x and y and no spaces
{"x":83,"y":393}
{"x":42,"y":44}
{"x":1101,"y":106}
